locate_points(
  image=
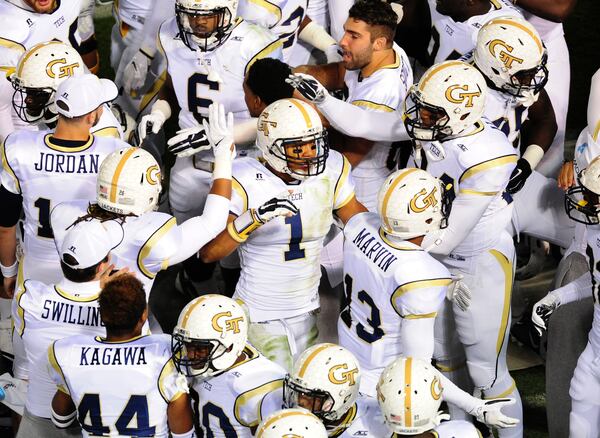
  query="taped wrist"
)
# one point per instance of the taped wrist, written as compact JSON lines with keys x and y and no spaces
{"x":533,"y":155}
{"x":241,"y":228}
{"x":10,"y":271}
{"x":316,"y":35}
{"x":63,"y":421}
{"x":162,"y":106}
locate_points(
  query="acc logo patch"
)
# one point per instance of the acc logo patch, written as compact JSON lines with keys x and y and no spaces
{"x":232,"y":324}
{"x":343,"y":376}
{"x":62,"y":70}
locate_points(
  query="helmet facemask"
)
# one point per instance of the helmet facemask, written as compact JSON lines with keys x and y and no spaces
{"x":205,"y":352}
{"x":319,"y":402}
{"x":582,"y":205}
{"x":212,"y":38}
{"x":33,"y":105}
{"x":434,"y":129}
{"x":527,"y":84}
{"x":290,"y":150}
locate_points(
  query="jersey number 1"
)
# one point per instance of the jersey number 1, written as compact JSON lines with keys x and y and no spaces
{"x":44,"y":230}
{"x":295,"y":252}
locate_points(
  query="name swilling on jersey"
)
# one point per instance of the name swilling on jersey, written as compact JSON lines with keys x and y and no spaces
{"x":71,"y":314}
{"x":232,"y":324}
{"x":426,"y":200}
{"x":63,"y":70}
{"x":113,"y":356}
{"x":505,"y":53}
{"x":67,"y":163}
{"x":345,"y":376}
{"x":374,"y":250}
{"x":461,"y":96}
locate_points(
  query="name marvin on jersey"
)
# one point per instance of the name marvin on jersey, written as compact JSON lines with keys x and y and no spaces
{"x":113,"y":356}
{"x":71,"y":314}
{"x":67,"y":163}
{"x":374,"y":250}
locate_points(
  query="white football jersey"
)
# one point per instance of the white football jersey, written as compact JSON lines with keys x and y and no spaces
{"x":479,"y":163}
{"x":593,"y":254}
{"x":384,"y":90}
{"x":451,"y":39}
{"x":456,"y":429}
{"x":364,"y":419}
{"x":282,"y":17}
{"x":232,"y":402}
{"x":280,"y":261}
{"x":201,"y":78}
{"x":42,"y":314}
{"x":45,"y":173}
{"x":386,"y":285}
{"x":507,"y":114}
{"x":149,"y":241}
{"x":119,"y":388}
{"x":133,"y":12}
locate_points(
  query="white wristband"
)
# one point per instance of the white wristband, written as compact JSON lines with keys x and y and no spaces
{"x":533,"y":154}
{"x":162,"y":106}
{"x":10,"y":271}
{"x":316,"y":35}
{"x":222,"y":168}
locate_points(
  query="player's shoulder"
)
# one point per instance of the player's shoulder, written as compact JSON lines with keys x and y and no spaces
{"x":336,"y":162}
{"x":63,"y":345}
{"x":23,"y":145}
{"x":168,"y":28}
{"x":246,"y":167}
{"x":455,"y":429}
{"x":501,"y":8}
{"x":14,"y":25}
{"x":362,"y":223}
{"x":416,"y":265}
{"x":471,"y":151}
{"x":254,"y":40}
{"x":256,"y":371}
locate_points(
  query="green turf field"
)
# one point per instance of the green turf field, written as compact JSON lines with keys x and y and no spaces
{"x":583,"y":38}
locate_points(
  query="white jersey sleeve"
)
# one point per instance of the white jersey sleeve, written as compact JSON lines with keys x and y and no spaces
{"x":455,"y":429}
{"x":10,"y":167}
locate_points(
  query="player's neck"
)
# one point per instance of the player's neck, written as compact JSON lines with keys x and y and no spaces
{"x":71,"y":131}
{"x":380,"y":59}
{"x":120,"y":337}
{"x":282,"y":175}
{"x":476,"y":8}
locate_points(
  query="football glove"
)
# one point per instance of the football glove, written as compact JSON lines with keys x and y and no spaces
{"x":134,"y":75}
{"x":542,"y":310}
{"x":188,"y":142}
{"x":253,"y":218}
{"x":152,"y":122}
{"x":490,"y":412}
{"x":308,"y":87}
{"x":459,"y":293}
{"x":519,"y":176}
{"x":219,"y":129}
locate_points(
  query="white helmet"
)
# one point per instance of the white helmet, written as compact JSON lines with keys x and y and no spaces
{"x":326,"y":374}
{"x":583,"y":200}
{"x":511,"y":54}
{"x":287,"y":423}
{"x":214,"y":325}
{"x":287,"y":123}
{"x":129,"y":182}
{"x":224,"y":12}
{"x":409,"y":393}
{"x":448,"y":100}
{"x":412,"y":203}
{"x":38,"y":73}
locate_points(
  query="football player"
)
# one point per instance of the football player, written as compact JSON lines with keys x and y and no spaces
{"x":441,"y":30}
{"x":394,"y":289}
{"x":235,"y":386}
{"x":44,"y":168}
{"x":39,"y":72}
{"x":133,"y":375}
{"x":583,"y":205}
{"x":443,"y":113}
{"x":410,"y":392}
{"x":377,"y":75}
{"x":305,"y":181}
{"x":128,"y":189}
{"x":45,"y":313}
{"x":295,"y":422}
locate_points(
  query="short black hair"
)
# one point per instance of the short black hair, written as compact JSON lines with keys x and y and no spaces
{"x":266,"y":78}
{"x":377,"y":14}
{"x":122,"y":303}
{"x":78,"y":275}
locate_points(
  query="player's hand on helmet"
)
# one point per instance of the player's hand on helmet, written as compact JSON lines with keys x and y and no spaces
{"x":519,"y":176}
{"x":189,"y":141}
{"x":459,"y":293}
{"x":134,"y":75}
{"x":566,"y":177}
{"x":542,"y":310}
{"x":219,"y":129}
{"x":274,"y":207}
{"x":111,"y":274}
{"x":333,"y":54}
{"x":308,"y":87}
{"x":241,"y":228}
{"x":490,"y":413}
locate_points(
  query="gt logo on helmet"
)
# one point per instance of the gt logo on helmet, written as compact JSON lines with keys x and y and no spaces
{"x":63,"y":70}
{"x":344,"y":376}
{"x":232,"y":324}
{"x":463,"y":96}
{"x":504,"y":55}
{"x":263,"y":125}
{"x":426,"y":200}
{"x":436,"y":388}
{"x":153,"y":175}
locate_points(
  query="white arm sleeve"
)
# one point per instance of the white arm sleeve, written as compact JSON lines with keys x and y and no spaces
{"x":417,"y":338}
{"x":466,"y":212}
{"x":244,"y":131}
{"x":575,"y":290}
{"x":353,"y":121}
{"x":199,"y":230}
{"x":6,"y":93}
{"x":453,"y":394}
{"x":593,"y":109}
{"x":338,"y":14}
